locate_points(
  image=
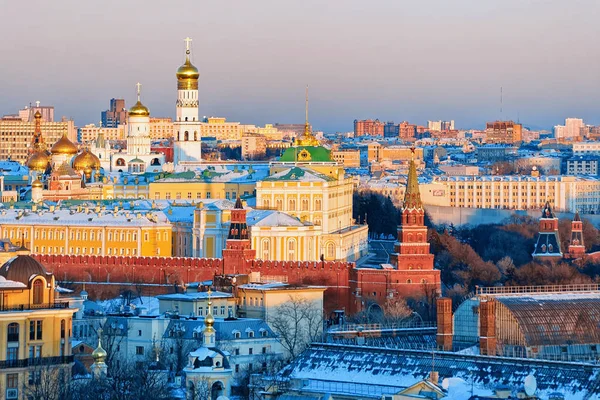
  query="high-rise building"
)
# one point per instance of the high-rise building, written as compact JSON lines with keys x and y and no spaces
{"x":406,"y":130}
{"x":391,"y":129}
{"x":573,"y":127}
{"x":253,"y":146}
{"x":503,"y":132}
{"x":115,"y":115}
{"x":440,"y":125}
{"x":188,"y":146}
{"x":368,"y":127}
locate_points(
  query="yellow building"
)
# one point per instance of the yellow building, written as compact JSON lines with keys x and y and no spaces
{"x":15,"y":136}
{"x":218,"y":181}
{"x":89,"y":230}
{"x":253,"y":146}
{"x":89,"y":133}
{"x":161,"y":128}
{"x":35,"y":348}
{"x":348,"y":158}
{"x":523,"y":192}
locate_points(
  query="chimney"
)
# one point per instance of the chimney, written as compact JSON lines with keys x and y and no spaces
{"x":487,"y":327}
{"x":444,"y":324}
{"x":434,"y":377}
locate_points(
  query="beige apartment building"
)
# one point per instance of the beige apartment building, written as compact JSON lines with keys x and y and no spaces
{"x":161,"y":128}
{"x":89,"y":133}
{"x":523,"y":192}
{"x":16,"y":134}
{"x":253,"y":146}
{"x":348,"y":158}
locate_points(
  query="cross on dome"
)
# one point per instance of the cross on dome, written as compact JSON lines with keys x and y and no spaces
{"x":187,"y":41}
{"x":139,"y":89}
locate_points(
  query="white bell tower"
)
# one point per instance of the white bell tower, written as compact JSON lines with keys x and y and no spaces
{"x":188,"y":145}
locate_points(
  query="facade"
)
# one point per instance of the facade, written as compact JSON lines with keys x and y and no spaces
{"x":89,"y":133}
{"x":161,"y":128}
{"x":187,"y":146}
{"x":89,"y":231}
{"x":36,"y":329}
{"x":583,"y":165}
{"x":368,"y":127}
{"x":547,"y":247}
{"x":115,"y":115}
{"x":523,"y":192}
{"x":16,"y":134}
{"x":586,"y":149}
{"x":407,"y":131}
{"x":254,"y":146}
{"x":503,"y":132}
{"x":440,"y":125}
{"x":348,"y":158}
{"x":28,"y":113}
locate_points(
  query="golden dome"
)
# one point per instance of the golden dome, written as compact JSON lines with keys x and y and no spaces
{"x":38,"y":161}
{"x":99,"y":354}
{"x":37,"y":114}
{"x":37,"y":184}
{"x":209,"y":321}
{"x":139,"y":110}
{"x":86,"y":160}
{"x":64,"y":146}
{"x":187,"y":70}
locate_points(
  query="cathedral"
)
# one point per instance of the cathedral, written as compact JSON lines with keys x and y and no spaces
{"x":138,"y":158}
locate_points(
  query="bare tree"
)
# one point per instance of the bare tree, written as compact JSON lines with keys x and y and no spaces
{"x":298,"y":322}
{"x":47,"y":382}
{"x":200,"y":390}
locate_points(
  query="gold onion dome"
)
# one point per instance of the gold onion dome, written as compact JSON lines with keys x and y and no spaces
{"x":37,"y":114}
{"x":37,"y":184}
{"x":86,"y":160}
{"x":209,"y":321}
{"x":139,"y":110}
{"x":187,"y":70}
{"x":38,"y":161}
{"x":99,"y":354}
{"x":64,"y":146}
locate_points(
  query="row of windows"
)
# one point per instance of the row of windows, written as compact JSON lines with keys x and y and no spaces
{"x":198,"y":195}
{"x":304,"y":204}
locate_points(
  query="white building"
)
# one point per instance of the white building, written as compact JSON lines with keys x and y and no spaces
{"x":138,"y":157}
{"x":586,"y":149}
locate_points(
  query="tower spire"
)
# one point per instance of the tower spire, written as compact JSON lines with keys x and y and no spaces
{"x":187,"y":41}
{"x":412,"y":196}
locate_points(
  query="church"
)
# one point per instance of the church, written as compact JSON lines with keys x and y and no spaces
{"x":137,"y":158}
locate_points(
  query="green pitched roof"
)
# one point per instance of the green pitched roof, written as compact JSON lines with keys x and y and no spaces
{"x":317,"y":154}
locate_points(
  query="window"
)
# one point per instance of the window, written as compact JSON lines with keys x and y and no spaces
{"x":291,"y":249}
{"x":38,"y":292}
{"x":35,"y":330}
{"x":63,"y":325}
{"x":237,"y":368}
{"x":139,"y":350}
{"x":237,"y":352}
{"x":12,"y":381}
{"x":139,"y":332}
{"x":13,"y":332}
{"x":250,"y":350}
{"x":265,"y":249}
{"x":264,"y":350}
{"x":12,"y":353}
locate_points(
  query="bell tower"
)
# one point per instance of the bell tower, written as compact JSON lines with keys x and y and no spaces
{"x":188,"y":146}
{"x":547,"y":246}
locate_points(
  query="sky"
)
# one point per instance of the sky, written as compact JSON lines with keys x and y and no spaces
{"x":392,"y":60}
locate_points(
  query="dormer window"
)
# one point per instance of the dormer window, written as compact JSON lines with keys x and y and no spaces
{"x":251,"y":334}
{"x":544,"y":248}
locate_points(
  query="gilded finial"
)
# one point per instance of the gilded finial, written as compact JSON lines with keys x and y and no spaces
{"x":139,"y":88}
{"x":412,"y":153}
{"x":187,"y":41}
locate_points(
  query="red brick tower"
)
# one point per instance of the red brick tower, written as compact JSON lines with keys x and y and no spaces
{"x":411,"y":257}
{"x":444,"y":324}
{"x":238,"y":247}
{"x":576,"y":247}
{"x":487,"y":327}
{"x":547,"y":247}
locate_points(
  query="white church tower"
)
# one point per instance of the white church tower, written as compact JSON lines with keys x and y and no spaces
{"x":187,"y":148}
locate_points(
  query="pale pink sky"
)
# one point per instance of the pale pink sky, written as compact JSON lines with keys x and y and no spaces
{"x":392,"y":60}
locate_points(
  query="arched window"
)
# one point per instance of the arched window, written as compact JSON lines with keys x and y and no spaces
{"x":38,"y":292}
{"x":195,"y":135}
{"x":265,"y":245}
{"x":409,"y":237}
{"x":63,"y":328}
{"x":292,"y":204}
{"x":304,"y":204}
{"x":318,"y":205}
{"x":279,"y":204}
{"x":409,"y":281}
{"x":186,"y":136}
{"x":266,"y":203}
{"x":291,"y":249}
{"x":330,"y":251}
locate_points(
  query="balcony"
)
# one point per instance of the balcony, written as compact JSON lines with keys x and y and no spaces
{"x":29,"y":362}
{"x":28,"y":307}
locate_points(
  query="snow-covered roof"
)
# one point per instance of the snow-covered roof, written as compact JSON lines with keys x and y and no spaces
{"x":193,"y":296}
{"x":271,"y":218}
{"x":91,"y":218}
{"x":372,"y":369}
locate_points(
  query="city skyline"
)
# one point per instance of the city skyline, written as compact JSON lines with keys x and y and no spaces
{"x":255,"y":64}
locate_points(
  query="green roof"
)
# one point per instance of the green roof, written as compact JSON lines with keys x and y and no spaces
{"x":299,"y":174}
{"x":316,"y":154}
